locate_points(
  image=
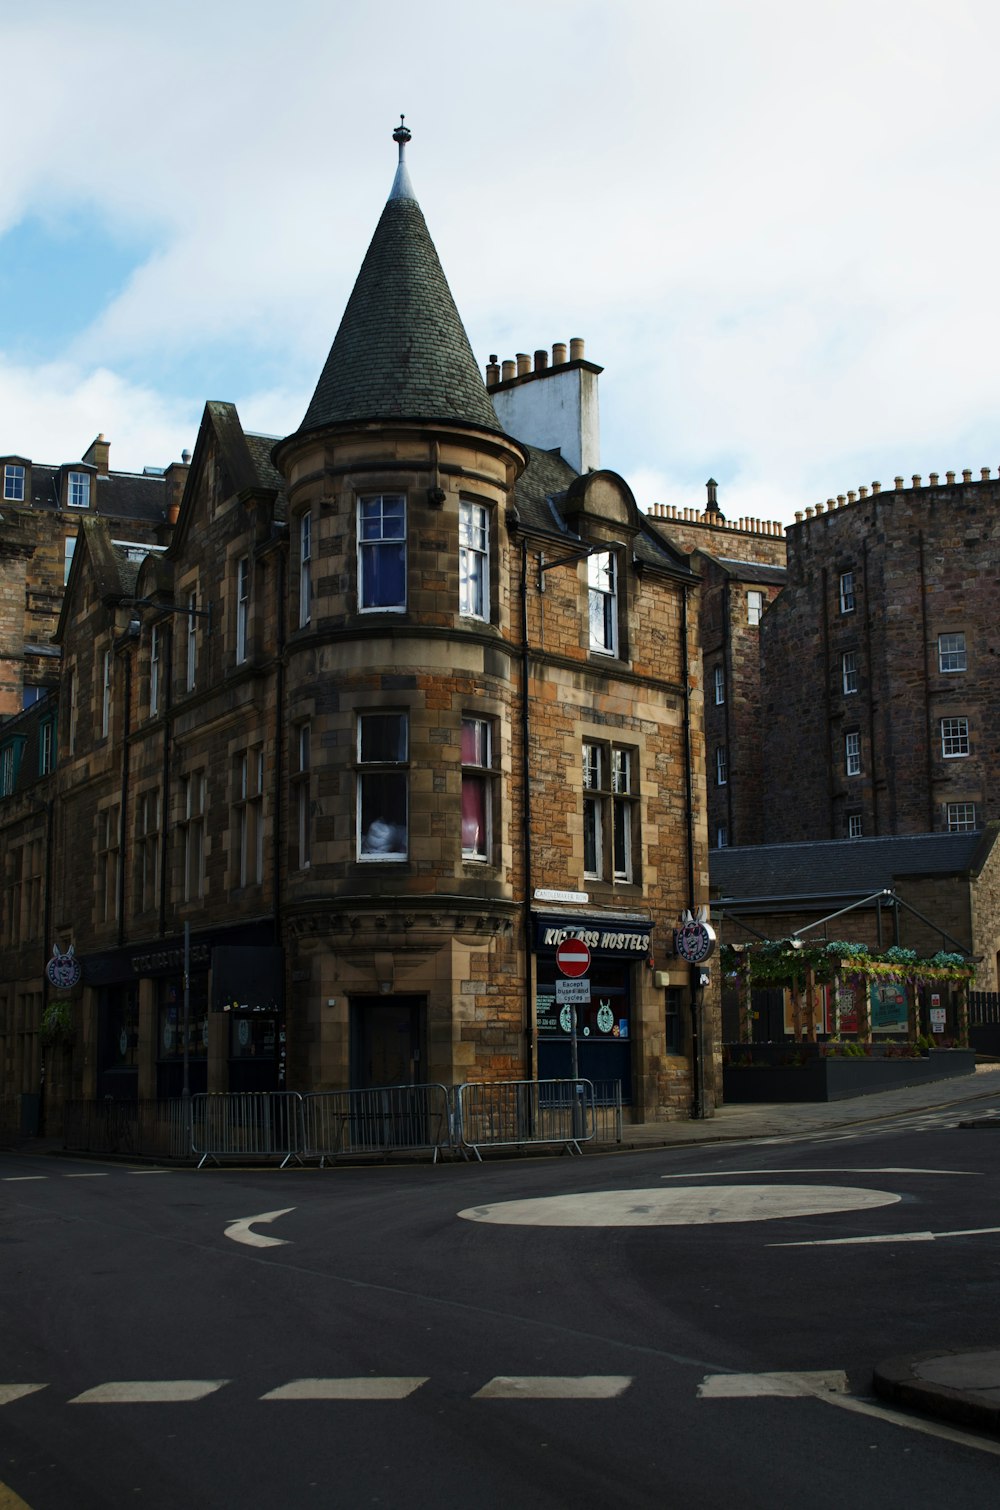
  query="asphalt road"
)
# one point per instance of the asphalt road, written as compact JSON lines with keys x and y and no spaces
{"x":431,"y":1337}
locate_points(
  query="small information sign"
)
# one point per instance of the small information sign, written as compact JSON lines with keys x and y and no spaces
{"x":572,"y":991}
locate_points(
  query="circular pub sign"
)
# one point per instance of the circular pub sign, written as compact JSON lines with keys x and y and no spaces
{"x":695,"y":941}
{"x":573,"y":957}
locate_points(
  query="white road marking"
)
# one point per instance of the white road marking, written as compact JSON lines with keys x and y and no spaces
{"x":148,"y":1391}
{"x":890,"y":1237}
{"x":724,"y":1174}
{"x":100,"y":1174}
{"x":9,"y":1392}
{"x":679,"y":1206}
{"x":554,"y":1387}
{"x":19,"y":1179}
{"x":150,"y":1171}
{"x":240,"y":1232}
{"x":347,"y":1389}
{"x":752,"y":1386}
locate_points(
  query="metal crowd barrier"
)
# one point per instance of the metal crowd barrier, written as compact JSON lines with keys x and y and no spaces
{"x":246,"y":1124}
{"x":608,"y":1110}
{"x":506,"y":1113}
{"x":382,"y":1120}
{"x":134,"y":1129}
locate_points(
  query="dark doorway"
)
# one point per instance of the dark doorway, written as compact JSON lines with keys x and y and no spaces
{"x":118,"y":1040}
{"x":387,"y":1040}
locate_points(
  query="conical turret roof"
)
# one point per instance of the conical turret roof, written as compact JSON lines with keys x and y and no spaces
{"x":401,"y":351}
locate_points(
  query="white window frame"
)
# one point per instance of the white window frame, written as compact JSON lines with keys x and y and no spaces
{"x":305,"y":568}
{"x":13,"y":482}
{"x":249,"y":803}
{"x":719,"y":684}
{"x":593,"y":811}
{"x":722,"y":836}
{"x":303,"y":795}
{"x":370,"y":768}
{"x":852,"y":752}
{"x":602,"y":602}
{"x":755,"y":606}
{"x":610,"y":810}
{"x":69,"y":548}
{"x":46,"y":746}
{"x":954,"y":738}
{"x":78,"y":490}
{"x":721,"y":766}
{"x":849,"y":672}
{"x":473,"y":560}
{"x":848,"y":600}
{"x":479,"y":773}
{"x":242,"y":608}
{"x":148,"y":847}
{"x":960,"y":817}
{"x":380,"y":534}
{"x":193,"y":820}
{"x":855,"y":826}
{"x":952,"y":655}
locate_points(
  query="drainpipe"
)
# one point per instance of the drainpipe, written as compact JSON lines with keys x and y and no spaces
{"x":529,"y":1030}
{"x":167,"y":689}
{"x":696,"y":989}
{"x":123,"y":809}
{"x":279,"y":717}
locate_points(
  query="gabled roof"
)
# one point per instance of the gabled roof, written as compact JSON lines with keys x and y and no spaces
{"x":401,"y":351}
{"x":749,"y":571}
{"x":841,"y":867}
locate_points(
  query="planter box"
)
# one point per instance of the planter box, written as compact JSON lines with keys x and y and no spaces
{"x":833,"y":1079}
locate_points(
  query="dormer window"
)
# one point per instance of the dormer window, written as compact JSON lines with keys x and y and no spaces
{"x":78,"y":490}
{"x":13,"y":482}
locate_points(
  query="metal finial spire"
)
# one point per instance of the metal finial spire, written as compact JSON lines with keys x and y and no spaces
{"x":401,"y":186}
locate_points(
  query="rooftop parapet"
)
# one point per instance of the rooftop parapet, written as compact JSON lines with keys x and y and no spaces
{"x":712,"y":519}
{"x":845,"y":500}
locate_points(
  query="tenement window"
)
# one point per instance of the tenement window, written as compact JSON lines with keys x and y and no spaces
{"x":951,"y":652}
{"x":107,"y":863}
{"x":383,"y":782}
{"x":722,"y":837}
{"x":192,"y":826}
{"x":302,"y":788}
{"x":960,"y":817}
{"x":719,"y":684}
{"x":847,"y":604}
{"x":849,"y":671}
{"x":191,"y":658}
{"x":69,"y":550}
{"x":954,"y":737}
{"x":47,"y":745}
{"x":474,"y":560}
{"x":305,"y":569}
{"x":610,"y":812}
{"x":852,"y":752}
{"x":155,"y":650}
{"x":242,"y":607}
{"x":854,"y":826}
{"x":721,"y":766}
{"x":382,"y":551}
{"x":477,"y":788}
{"x":147,"y":843}
{"x":106,"y":664}
{"x":755,"y":606}
{"x":602,"y":587}
{"x":248,"y":816}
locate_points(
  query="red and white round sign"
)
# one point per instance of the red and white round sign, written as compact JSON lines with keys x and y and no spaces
{"x":573,"y":957}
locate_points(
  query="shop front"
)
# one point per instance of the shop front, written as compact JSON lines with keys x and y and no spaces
{"x":606,"y":1006}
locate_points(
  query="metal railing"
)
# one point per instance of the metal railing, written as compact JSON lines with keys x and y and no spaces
{"x":382,"y":1120}
{"x":246,"y":1124}
{"x":519,"y":1113}
{"x":134,"y":1129}
{"x":984,"y":1008}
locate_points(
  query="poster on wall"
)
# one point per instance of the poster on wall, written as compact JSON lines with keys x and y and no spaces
{"x":890,"y":1013}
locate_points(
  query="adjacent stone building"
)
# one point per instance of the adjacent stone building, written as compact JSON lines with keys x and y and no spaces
{"x":406,"y":700}
{"x":879,"y":665}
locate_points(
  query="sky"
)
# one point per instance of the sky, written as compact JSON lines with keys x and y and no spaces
{"x":774,"y":223}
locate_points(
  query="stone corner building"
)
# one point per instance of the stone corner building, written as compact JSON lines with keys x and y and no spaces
{"x":405,"y":701}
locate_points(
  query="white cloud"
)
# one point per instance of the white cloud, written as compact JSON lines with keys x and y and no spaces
{"x":774,"y":223}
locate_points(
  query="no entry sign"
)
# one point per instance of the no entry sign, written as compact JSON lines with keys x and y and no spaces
{"x":573,"y":957}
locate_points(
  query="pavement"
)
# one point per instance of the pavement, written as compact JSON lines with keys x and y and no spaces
{"x":960,"y":1386}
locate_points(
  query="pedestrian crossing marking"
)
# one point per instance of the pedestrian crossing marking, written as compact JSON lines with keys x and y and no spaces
{"x":347,"y":1389}
{"x":148,"y":1392}
{"x":784,"y":1385}
{"x":9,"y":1392}
{"x":554,"y":1387}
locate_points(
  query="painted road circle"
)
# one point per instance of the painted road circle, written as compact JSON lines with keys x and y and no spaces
{"x":679,"y":1206}
{"x":573,"y":957}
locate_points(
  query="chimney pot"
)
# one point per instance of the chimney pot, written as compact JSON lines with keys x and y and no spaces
{"x":492,"y":372}
{"x":558,"y":353}
{"x":876,"y":487}
{"x":576,"y":349}
{"x":523,"y":363}
{"x":934,"y":479}
{"x":966,"y":475}
{"x":916,"y":479}
{"x":899,"y":483}
{"x":862,"y":492}
{"x":984,"y":473}
{"x":509,"y":370}
{"x":949,"y":477}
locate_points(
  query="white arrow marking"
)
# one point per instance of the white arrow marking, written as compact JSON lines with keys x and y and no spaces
{"x":240,"y":1231}
{"x":890,"y":1237}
